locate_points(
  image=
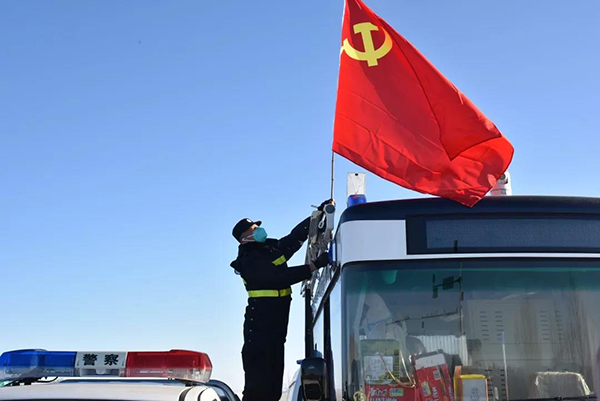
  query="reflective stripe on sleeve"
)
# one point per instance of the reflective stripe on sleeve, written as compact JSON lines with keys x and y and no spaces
{"x":279,"y":261}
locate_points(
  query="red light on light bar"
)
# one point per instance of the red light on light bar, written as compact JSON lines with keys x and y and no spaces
{"x":176,"y":364}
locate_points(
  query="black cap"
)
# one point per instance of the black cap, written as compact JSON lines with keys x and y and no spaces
{"x":242,"y":226}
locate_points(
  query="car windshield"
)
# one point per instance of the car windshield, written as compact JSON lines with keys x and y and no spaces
{"x":516,"y":329}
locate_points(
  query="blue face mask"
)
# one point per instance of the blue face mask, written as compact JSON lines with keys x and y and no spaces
{"x":260,"y":234}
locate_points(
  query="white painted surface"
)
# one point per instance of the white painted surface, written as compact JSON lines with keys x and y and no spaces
{"x":104,"y":391}
{"x":375,"y":240}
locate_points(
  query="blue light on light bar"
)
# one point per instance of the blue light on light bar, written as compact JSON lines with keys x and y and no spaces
{"x":36,"y":363}
{"x":356,"y":200}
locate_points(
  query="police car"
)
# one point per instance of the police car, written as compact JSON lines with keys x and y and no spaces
{"x":175,"y":375}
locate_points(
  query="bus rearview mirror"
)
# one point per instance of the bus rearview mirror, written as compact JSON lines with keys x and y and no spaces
{"x":313,"y":375}
{"x":448,"y":283}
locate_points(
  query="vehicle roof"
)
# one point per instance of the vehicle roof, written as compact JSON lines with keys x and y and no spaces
{"x":97,"y":390}
{"x":400,"y":209}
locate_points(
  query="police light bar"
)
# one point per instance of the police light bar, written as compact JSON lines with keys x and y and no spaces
{"x":36,"y":364}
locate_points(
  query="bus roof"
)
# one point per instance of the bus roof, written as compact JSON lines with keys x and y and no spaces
{"x":400,"y":209}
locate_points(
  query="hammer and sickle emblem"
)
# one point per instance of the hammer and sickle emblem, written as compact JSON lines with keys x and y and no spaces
{"x":370,"y":55}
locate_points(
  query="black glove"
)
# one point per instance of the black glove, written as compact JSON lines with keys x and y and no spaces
{"x":322,"y":260}
{"x":323,"y":204}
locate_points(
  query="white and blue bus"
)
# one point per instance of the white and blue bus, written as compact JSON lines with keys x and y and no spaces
{"x":508,"y":290}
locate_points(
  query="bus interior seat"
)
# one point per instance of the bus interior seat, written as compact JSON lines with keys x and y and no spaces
{"x":558,"y":384}
{"x":414,"y":346}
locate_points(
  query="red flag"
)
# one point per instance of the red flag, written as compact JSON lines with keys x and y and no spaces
{"x":400,"y":118}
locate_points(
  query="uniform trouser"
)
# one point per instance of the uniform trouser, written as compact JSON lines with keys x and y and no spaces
{"x":265,"y":331}
{"x":263,"y":367}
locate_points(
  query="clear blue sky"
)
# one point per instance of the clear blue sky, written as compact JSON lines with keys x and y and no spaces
{"x":134,"y":134}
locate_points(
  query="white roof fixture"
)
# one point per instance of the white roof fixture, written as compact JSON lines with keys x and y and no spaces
{"x":503,"y":186}
{"x":356,"y":189}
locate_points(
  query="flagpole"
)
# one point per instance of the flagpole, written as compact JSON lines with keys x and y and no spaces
{"x":332,"y":152}
{"x":332,"y":172}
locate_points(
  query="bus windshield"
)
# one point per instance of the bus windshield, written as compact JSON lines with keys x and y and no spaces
{"x":519,"y":328}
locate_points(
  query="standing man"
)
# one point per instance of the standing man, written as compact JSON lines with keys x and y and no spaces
{"x":262,"y":263}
